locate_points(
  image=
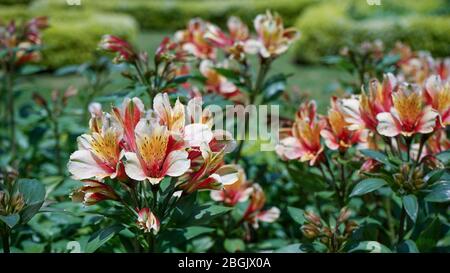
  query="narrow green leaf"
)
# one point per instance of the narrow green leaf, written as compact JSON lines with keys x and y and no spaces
{"x":367,"y":185}
{"x":101,"y":237}
{"x":440,"y":192}
{"x":297,"y":215}
{"x":411,"y":206}
{"x":370,"y":246}
{"x":294,"y":248}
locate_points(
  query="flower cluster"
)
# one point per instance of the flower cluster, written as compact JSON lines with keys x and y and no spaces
{"x":21,"y":42}
{"x":242,"y":191}
{"x":133,"y":145}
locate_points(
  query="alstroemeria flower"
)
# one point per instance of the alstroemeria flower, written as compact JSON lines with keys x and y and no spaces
{"x":92,"y":192}
{"x":437,"y":95}
{"x":170,"y":51}
{"x":255,"y":212}
{"x":336,"y":134}
{"x":193,"y":41}
{"x":443,"y":69}
{"x":128,"y":116}
{"x":99,"y":153}
{"x":217,"y":83}
{"x":233,"y":43}
{"x":234,"y":193}
{"x":273,"y":38}
{"x":124,"y":50}
{"x":147,"y":221}
{"x":208,"y":172}
{"x":361,"y":112}
{"x":174,"y":118}
{"x":158,"y":154}
{"x":303,"y":140}
{"x":437,"y":143}
{"x":408,"y":116}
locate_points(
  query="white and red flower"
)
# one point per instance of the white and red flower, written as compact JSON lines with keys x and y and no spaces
{"x":158,"y":154}
{"x":337,"y":134}
{"x":99,"y":153}
{"x":408,"y":115}
{"x":128,"y":116}
{"x":303,"y":139}
{"x":273,"y":39}
{"x":192,"y":40}
{"x":234,"y":193}
{"x":255,"y":213}
{"x":437,"y":95}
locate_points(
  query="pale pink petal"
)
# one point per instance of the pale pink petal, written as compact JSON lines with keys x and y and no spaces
{"x":269,"y":215}
{"x":289,"y":148}
{"x":428,"y":120}
{"x":217,"y":195}
{"x":177,"y":162}
{"x":387,"y":125}
{"x":133,"y":167}
{"x":196,"y":134}
{"x":83,"y":166}
{"x":330,"y":139}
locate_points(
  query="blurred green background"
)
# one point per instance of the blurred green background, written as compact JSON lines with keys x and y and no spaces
{"x":326,"y":26}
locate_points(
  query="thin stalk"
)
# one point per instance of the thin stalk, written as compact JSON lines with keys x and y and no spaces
{"x":5,"y":240}
{"x":262,"y":73}
{"x":57,"y":146}
{"x":12,"y":120}
{"x":390,"y":220}
{"x":401,"y":228}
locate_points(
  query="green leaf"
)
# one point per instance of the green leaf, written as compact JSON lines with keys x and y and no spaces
{"x":411,"y":206}
{"x":294,"y":248}
{"x":297,"y":215}
{"x":427,"y":240}
{"x":444,"y":157}
{"x":32,"y":190}
{"x":275,"y":86}
{"x":378,"y":156}
{"x":434,"y":176}
{"x":407,"y":246}
{"x":370,"y":246}
{"x":367,"y":185}
{"x":440,"y":192}
{"x":228,"y":73}
{"x":234,"y":245}
{"x":10,"y":220}
{"x":101,"y":237}
{"x":205,"y":213}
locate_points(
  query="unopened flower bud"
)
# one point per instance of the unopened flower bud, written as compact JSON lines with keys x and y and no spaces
{"x":313,"y":218}
{"x":310,"y":231}
{"x":147,"y":221}
{"x":93,"y":192}
{"x":344,"y":215}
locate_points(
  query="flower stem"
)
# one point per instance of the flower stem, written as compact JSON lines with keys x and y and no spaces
{"x":401,"y":228}
{"x":5,"y":240}
{"x":12,"y":121}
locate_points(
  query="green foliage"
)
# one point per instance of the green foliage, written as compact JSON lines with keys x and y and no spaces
{"x":73,"y":35}
{"x":172,"y":15}
{"x":328,"y":27}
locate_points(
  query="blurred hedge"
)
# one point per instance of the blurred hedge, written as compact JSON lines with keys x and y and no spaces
{"x":328,"y":27}
{"x":174,"y":14}
{"x":14,"y":2}
{"x":73,"y":35}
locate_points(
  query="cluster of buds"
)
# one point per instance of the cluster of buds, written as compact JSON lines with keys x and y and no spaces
{"x":333,"y":237}
{"x":58,"y":100}
{"x":147,"y":221}
{"x":372,"y":50}
{"x":11,"y":201}
{"x":407,"y":181}
{"x":21,"y":42}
